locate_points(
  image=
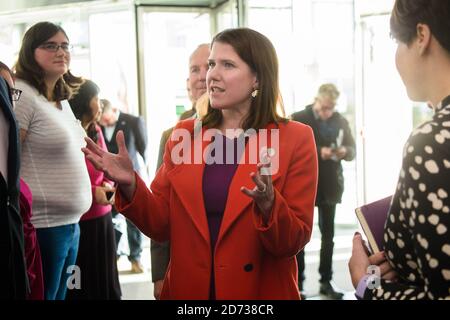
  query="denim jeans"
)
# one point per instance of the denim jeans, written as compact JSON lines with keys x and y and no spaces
{"x":59,"y":248}
{"x":134,"y":241}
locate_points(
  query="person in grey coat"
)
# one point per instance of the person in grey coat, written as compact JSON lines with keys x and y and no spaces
{"x":334,"y":143}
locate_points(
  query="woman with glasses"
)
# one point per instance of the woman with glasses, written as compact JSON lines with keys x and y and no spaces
{"x":51,"y":163}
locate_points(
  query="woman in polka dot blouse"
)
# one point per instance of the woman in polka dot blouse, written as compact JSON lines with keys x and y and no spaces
{"x":415,"y":263}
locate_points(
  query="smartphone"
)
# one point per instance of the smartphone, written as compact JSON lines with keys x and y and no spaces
{"x":109,"y":195}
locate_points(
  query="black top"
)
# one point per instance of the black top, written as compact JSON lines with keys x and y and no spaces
{"x":13,"y":277}
{"x":417,"y":232}
{"x":135,"y":137}
{"x":331,"y":179}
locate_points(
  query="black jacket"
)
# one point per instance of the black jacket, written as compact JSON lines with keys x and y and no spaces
{"x":135,"y":137}
{"x":331,"y":179}
{"x":13,"y":276}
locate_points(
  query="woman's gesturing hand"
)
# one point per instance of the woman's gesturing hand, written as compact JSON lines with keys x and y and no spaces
{"x":262,"y":193}
{"x":117,"y":167}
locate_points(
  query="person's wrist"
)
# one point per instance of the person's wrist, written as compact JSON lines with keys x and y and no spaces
{"x":357,"y":275}
{"x":128,"y":189}
{"x":361,"y":286}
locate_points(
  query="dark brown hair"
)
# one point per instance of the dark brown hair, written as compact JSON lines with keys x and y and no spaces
{"x":6,"y":68}
{"x":29,"y":70}
{"x":434,"y":13}
{"x":81,"y":105}
{"x":259,"y":54}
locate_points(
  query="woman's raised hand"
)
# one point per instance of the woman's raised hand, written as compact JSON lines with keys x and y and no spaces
{"x":262,"y":193}
{"x":117,"y":167}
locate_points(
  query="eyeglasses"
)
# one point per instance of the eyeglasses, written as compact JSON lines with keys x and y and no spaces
{"x":327,"y":109}
{"x":15,"y":94}
{"x":54,"y":47}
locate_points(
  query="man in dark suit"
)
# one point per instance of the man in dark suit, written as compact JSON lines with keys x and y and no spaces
{"x":13,"y":276}
{"x":135,"y":134}
{"x":334,"y":143}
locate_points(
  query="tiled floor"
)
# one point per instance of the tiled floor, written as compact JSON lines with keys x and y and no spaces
{"x":140,"y":287}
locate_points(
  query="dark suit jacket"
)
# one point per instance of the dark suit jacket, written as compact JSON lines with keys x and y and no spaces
{"x":135,"y":137}
{"x":331,"y":179}
{"x":160,"y":251}
{"x":13,"y":276}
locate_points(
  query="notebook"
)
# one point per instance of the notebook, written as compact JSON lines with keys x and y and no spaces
{"x":372,"y":217}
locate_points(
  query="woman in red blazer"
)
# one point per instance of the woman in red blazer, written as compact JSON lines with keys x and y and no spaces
{"x":238,"y":209}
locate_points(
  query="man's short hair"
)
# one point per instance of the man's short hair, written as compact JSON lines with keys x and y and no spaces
{"x":328,"y":90}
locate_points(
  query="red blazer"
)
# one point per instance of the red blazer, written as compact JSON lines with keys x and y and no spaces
{"x":251,"y":261}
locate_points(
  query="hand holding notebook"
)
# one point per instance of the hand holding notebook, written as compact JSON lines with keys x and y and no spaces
{"x":372,"y":218}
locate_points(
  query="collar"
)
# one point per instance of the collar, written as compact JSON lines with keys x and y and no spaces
{"x":315,"y":114}
{"x":444,"y":103}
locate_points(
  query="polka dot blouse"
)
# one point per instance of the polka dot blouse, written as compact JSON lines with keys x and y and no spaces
{"x":417,"y":235}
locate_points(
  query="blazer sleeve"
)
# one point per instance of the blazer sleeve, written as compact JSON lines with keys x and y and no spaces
{"x":160,"y":257}
{"x":290,"y":225}
{"x":162,"y":144}
{"x":160,"y":251}
{"x":149,"y":208}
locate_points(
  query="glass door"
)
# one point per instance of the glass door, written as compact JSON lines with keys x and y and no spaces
{"x":387,"y":116}
{"x":167,"y":38}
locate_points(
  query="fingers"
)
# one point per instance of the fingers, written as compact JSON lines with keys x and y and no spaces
{"x":357,"y":241}
{"x":256,"y":177}
{"x":385,"y":268}
{"x":263,"y":183}
{"x":264,"y":168}
{"x":120,"y":139}
{"x":92,"y":146}
{"x":248,"y":192}
{"x":391,"y":276}
{"x":377,"y":258}
{"x":96,"y":161}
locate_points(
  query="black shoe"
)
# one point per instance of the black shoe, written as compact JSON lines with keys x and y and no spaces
{"x":302,"y":292}
{"x":303,"y":295}
{"x":331,"y":291}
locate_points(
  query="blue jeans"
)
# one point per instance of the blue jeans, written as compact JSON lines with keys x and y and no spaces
{"x":134,"y":241}
{"x":59,"y":249}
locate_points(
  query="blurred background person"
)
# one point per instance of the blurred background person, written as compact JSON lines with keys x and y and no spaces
{"x":112,"y":121}
{"x":334,"y":142}
{"x":51,"y":162}
{"x":31,"y":246}
{"x":13,"y":269}
{"x":196,"y":87}
{"x":97,"y":250}
{"x":415,"y":263}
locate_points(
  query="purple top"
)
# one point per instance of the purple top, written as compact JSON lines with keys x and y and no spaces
{"x":216,"y":182}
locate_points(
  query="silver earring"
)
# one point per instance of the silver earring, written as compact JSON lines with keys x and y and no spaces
{"x":254,"y":93}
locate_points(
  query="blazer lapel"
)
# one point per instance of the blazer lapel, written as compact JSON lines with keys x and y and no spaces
{"x":187,"y":180}
{"x":237,"y":201}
